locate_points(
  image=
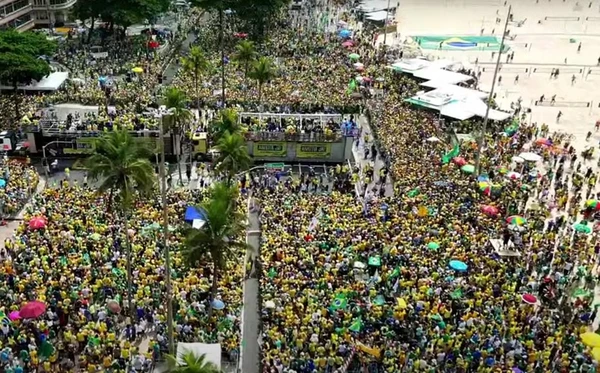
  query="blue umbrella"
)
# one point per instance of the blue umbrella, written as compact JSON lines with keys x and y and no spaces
{"x":483,"y":178}
{"x":2,"y":183}
{"x":192,"y":213}
{"x":217,"y":304}
{"x":345,"y":33}
{"x":458,"y":266}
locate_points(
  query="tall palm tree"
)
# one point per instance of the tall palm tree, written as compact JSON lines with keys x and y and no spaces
{"x":176,"y":101}
{"x":122,"y":165}
{"x":191,"y":363}
{"x":195,"y":65}
{"x":219,"y":238}
{"x":262,"y":71}
{"x":228,"y":121}
{"x":245,"y":54}
{"x":233,"y":155}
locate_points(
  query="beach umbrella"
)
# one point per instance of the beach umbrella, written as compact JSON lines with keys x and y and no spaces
{"x":348,"y":44}
{"x":592,"y":204}
{"x":458,"y":266}
{"x":517,"y":159}
{"x":513,"y":175}
{"x":433,"y":246}
{"x":582,"y":227}
{"x":529,"y":298}
{"x":530,"y":157}
{"x":433,"y":139}
{"x":269,"y":304}
{"x":2,"y":183}
{"x":543,"y":141}
{"x":32,"y":310}
{"x":489,"y":210}
{"x":483,"y":178}
{"x":468,"y":168}
{"x":485,"y":187}
{"x":516,"y":220}
{"x":459,"y":161}
{"x":345,"y":33}
{"x":137,"y":70}
{"x":113,"y":306}
{"x":14,"y":315}
{"x":590,"y":339}
{"x":358,"y":65}
{"x":217,"y":304}
{"x":354,"y":56}
{"x":37,"y":222}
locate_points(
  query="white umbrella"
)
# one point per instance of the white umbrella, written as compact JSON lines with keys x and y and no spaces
{"x":433,"y":139}
{"x":270,"y":304}
{"x":359,"y":265}
{"x":531,"y":157}
{"x":358,"y":65}
{"x":517,"y":159}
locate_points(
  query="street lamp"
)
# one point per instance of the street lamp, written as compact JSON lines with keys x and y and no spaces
{"x":44,"y":153}
{"x":162,"y":115}
{"x":491,"y":95}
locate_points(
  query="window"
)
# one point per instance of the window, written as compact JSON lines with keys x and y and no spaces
{"x":13,"y":7}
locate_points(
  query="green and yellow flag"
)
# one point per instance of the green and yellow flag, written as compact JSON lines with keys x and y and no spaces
{"x":451,"y":154}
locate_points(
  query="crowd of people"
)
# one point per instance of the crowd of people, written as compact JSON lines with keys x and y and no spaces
{"x":75,"y":264}
{"x":19,"y":182}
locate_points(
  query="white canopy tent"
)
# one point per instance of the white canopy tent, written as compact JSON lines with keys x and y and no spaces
{"x":441,"y":75}
{"x":379,"y":15}
{"x":48,"y":83}
{"x":455,"y":89}
{"x":212,"y":351}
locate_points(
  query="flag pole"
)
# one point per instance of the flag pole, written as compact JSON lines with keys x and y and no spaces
{"x":489,"y":100}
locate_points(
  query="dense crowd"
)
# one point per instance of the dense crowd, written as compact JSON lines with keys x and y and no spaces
{"x":18,"y":182}
{"x":75,"y":264}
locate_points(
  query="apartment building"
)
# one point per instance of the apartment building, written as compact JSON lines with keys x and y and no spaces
{"x":25,"y":14}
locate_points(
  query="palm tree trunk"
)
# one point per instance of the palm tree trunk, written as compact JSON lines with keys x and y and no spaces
{"x":196,"y":81}
{"x":16,"y":98}
{"x":129,"y":275}
{"x":222,"y":37}
{"x":89,"y":38}
{"x":214,"y":288}
{"x":260,"y":96}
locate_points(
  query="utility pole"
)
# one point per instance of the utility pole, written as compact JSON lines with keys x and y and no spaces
{"x":163,"y":181}
{"x":481,"y":139}
{"x":387,"y":12}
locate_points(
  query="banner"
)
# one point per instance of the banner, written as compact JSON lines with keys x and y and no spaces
{"x":313,"y":150}
{"x":270,"y":149}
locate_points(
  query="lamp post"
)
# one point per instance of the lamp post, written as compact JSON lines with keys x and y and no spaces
{"x":44,"y":154}
{"x":163,"y":180}
{"x":489,"y":100}
{"x":387,"y":12}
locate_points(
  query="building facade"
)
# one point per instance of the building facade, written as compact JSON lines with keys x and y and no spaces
{"x":25,"y":14}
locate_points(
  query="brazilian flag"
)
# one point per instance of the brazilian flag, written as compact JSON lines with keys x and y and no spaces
{"x":339,"y":303}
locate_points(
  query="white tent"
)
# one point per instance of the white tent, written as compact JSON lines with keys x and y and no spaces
{"x":456,"y":90}
{"x":378,"y":15}
{"x":63,"y":110}
{"x":212,"y":351}
{"x":48,"y":83}
{"x":441,"y":75}
{"x":411,"y":65}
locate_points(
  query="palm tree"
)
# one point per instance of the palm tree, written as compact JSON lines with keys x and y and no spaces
{"x":245,"y":54}
{"x":219,"y":238}
{"x":191,"y":364}
{"x":122,"y":164}
{"x":228,"y":121}
{"x":176,"y":101}
{"x":233,"y":155}
{"x":195,"y":64}
{"x":262,"y":71}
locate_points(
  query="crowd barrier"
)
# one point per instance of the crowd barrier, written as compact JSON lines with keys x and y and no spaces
{"x":575,"y":104}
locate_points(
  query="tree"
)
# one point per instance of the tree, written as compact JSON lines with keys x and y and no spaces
{"x":220,"y":238}
{"x":128,"y":12}
{"x":262,"y":71}
{"x":228,"y":122}
{"x":191,"y":364}
{"x":122,"y":164}
{"x":20,"y":62}
{"x":245,"y":54}
{"x":176,"y":101}
{"x":88,"y":9}
{"x":195,"y":64}
{"x":233,"y":155}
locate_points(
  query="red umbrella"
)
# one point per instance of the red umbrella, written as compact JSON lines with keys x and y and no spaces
{"x":32,"y":310}
{"x":153,"y":44}
{"x":240,"y":35}
{"x":543,"y":141}
{"x":489,"y":210}
{"x":348,"y":44}
{"x":459,"y":161}
{"x":529,"y":298}
{"x":37,"y":222}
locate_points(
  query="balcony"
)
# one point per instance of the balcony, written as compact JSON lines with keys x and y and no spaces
{"x":54,"y":5}
{"x":9,"y":19}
